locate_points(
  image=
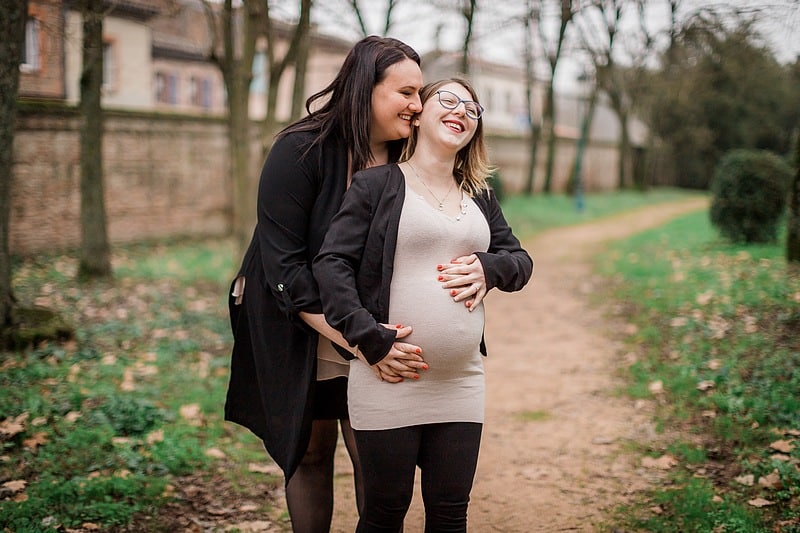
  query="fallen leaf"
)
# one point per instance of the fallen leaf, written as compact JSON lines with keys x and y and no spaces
{"x":215,"y":453}
{"x":155,"y":436}
{"x":760,"y":502}
{"x":705,"y":385}
{"x":127,"y":383}
{"x":747,"y":480}
{"x":15,"y":485}
{"x":264,"y":468}
{"x":13,"y":426}
{"x":36,"y":440}
{"x":656,"y":509}
{"x":192,"y":413}
{"x":779,"y":457}
{"x":72,"y":416}
{"x":717,"y":499}
{"x":771,"y":480}
{"x":665,"y":462}
{"x":714,"y":364}
{"x":656,"y":387}
{"x":39,"y":421}
{"x":783,"y":446}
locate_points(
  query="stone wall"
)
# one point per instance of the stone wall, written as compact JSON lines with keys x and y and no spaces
{"x":165,"y":176}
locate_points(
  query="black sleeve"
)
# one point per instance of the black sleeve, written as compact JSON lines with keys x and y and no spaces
{"x":287,"y":191}
{"x":506,"y":265}
{"x":336,"y":267}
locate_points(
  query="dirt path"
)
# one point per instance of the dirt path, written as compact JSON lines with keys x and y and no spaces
{"x":553,"y":452}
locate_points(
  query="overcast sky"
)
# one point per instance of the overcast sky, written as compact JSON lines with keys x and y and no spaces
{"x":498,"y":38}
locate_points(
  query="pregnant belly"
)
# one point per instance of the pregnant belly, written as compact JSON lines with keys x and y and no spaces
{"x":447,"y":332}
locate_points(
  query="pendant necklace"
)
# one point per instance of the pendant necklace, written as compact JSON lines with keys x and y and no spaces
{"x":441,"y":202}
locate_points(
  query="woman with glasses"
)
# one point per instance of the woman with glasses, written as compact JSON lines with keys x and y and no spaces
{"x":288,"y":384}
{"x":420,"y":243}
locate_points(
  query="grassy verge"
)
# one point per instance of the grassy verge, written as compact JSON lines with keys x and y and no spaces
{"x":718,"y":342}
{"x":530,"y":215}
{"x":121,"y":428}
{"x":114,"y":423}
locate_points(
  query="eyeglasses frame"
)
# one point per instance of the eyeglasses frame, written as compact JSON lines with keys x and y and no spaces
{"x":460,"y":101}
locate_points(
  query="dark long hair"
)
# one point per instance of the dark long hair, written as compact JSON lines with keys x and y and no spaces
{"x":347,"y":112}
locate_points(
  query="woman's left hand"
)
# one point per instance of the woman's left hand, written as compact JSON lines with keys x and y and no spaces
{"x":464,"y":278}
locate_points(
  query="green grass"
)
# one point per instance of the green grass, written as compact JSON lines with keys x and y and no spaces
{"x":719,"y":325}
{"x":109,"y":422}
{"x":531,"y":215}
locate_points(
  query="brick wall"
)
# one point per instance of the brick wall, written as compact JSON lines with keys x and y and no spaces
{"x":165,"y":176}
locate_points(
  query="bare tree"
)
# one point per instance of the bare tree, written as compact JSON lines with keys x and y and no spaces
{"x":95,"y":260}
{"x":235,"y":31}
{"x":468,"y":9}
{"x":362,"y":25}
{"x":297,"y":55}
{"x":552,"y":50}
{"x":531,"y":18}
{"x":12,"y":25}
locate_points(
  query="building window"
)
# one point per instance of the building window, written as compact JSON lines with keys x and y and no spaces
{"x":200,"y":89}
{"x":30,"y":52}
{"x":108,"y":66}
{"x":166,"y":88}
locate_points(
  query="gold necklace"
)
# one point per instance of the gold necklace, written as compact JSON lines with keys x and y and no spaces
{"x":441,"y":202}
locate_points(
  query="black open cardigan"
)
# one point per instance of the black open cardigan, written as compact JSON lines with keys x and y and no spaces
{"x":274,"y":358}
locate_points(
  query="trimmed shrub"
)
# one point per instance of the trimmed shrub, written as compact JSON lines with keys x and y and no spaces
{"x":749,"y":195}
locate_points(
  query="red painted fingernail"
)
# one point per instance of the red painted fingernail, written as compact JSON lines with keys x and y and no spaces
{"x":399,"y":326}
{"x":469,"y":304}
{"x":418,"y":351}
{"x":441,"y":278}
{"x":424,"y":367}
{"x":453,"y":292}
{"x":416,"y":376}
{"x":439,"y":267}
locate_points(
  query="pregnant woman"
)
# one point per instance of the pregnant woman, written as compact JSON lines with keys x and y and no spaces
{"x":420,"y":243}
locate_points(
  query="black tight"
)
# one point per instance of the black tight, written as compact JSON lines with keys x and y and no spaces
{"x":309,"y":493}
{"x":447,"y":455}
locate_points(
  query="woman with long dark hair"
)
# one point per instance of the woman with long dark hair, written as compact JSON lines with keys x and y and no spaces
{"x":289,"y":368}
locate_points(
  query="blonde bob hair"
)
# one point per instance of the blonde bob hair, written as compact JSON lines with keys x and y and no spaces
{"x":471,"y":167}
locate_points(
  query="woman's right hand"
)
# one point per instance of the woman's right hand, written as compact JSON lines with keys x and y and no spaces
{"x":404,"y":360}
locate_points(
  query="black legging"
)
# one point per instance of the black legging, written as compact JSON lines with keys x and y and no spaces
{"x":447,"y":455}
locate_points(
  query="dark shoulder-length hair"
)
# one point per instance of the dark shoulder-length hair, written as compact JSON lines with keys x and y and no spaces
{"x":471,"y":167}
{"x":346,"y":109}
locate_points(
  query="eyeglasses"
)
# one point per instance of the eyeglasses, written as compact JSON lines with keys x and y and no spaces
{"x":449,"y":100}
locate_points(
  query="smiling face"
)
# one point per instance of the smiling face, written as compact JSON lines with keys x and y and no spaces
{"x":451,"y":128}
{"x":395,"y":100}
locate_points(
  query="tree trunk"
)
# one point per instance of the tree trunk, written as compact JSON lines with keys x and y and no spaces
{"x":576,"y":184}
{"x":95,"y":254}
{"x":12,"y":26}
{"x":793,"y":222}
{"x":624,"y":150}
{"x":550,"y":121}
{"x":469,"y":15}
{"x":301,"y":61}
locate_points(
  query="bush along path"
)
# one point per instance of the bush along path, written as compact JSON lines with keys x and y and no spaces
{"x":556,"y":452}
